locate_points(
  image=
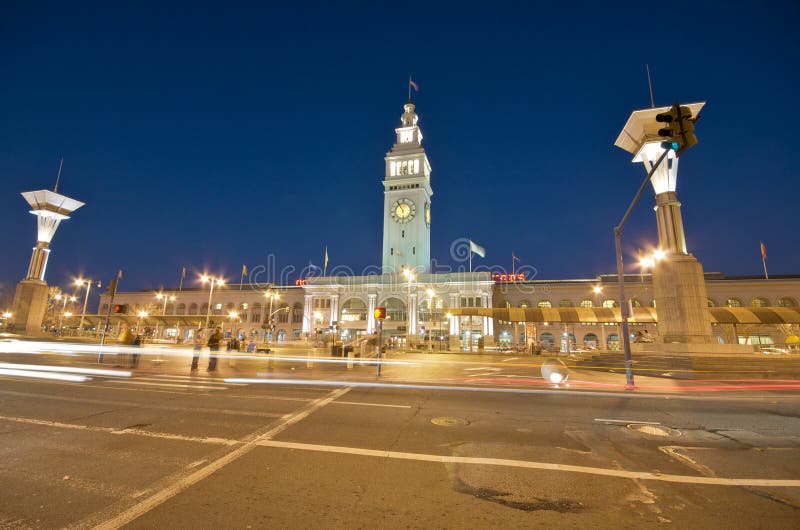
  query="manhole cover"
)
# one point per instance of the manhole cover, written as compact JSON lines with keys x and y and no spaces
{"x":654,"y":430}
{"x":449,"y":421}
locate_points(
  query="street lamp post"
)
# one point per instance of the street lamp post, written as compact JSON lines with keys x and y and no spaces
{"x":272,"y":297}
{"x":410,"y":276}
{"x":233,"y":315}
{"x":598,"y":290}
{"x":88,"y":283}
{"x":430,"y":294}
{"x":213,"y":281}
{"x":162,"y":296}
{"x":63,"y":307}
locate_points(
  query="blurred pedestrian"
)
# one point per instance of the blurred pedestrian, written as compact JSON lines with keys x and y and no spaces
{"x":213,"y":346}
{"x":197,"y":341}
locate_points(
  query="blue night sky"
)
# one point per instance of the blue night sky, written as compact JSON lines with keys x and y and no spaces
{"x":212,"y":135}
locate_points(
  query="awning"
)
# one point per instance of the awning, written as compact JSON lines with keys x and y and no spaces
{"x":644,"y":315}
{"x":567,"y":315}
{"x":755,"y":315}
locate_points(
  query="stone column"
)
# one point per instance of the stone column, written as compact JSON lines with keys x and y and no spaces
{"x":373,"y":298}
{"x":307,"y":307}
{"x":412,"y":315}
{"x":334,"y":309}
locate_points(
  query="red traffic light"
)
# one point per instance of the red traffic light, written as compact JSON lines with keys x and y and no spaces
{"x":121,"y":309}
{"x":379,"y":313}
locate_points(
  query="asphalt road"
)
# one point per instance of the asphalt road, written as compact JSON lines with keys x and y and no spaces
{"x":164,"y":448}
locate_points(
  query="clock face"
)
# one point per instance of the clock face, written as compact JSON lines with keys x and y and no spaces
{"x":403,"y":210}
{"x":428,"y":214}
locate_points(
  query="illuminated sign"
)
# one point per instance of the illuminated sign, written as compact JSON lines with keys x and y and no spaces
{"x":503,"y":278}
{"x":301,"y":281}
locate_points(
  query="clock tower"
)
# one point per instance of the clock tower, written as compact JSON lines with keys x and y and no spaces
{"x":407,"y":200}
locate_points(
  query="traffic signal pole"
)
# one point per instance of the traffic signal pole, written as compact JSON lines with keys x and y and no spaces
{"x":112,"y":290}
{"x":623,"y":303}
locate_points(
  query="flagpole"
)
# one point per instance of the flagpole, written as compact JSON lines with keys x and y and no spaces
{"x":764,"y":261}
{"x":183,"y":275}
{"x":512,"y":262}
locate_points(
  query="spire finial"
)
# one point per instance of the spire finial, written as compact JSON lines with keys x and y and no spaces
{"x":58,"y":178}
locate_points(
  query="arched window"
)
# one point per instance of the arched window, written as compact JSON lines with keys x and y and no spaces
{"x":545,"y":303}
{"x":759,"y":301}
{"x":787,"y":301}
{"x":590,"y":341}
{"x":203,"y":309}
{"x":711,"y":303}
{"x":733,"y":302}
{"x":565,"y":303}
{"x":255,"y":312}
{"x":170,"y":309}
{"x":547,"y":340}
{"x":524,"y":303}
{"x":587,"y":303}
{"x":181,"y":309}
{"x":193,"y":309}
{"x":104,"y":309}
{"x":354,"y":309}
{"x":297,"y":313}
{"x":635,"y":302}
{"x":610,"y":303}
{"x":653,"y":302}
{"x":230,"y":306}
{"x":612,"y":341}
{"x":283,"y":315}
{"x":395,"y":309}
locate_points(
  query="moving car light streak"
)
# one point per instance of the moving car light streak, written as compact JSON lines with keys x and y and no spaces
{"x":32,"y":374}
{"x":66,"y":369}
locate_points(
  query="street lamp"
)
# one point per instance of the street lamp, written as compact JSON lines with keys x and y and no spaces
{"x":598,"y":290}
{"x":80,"y":282}
{"x":66,"y":299}
{"x":430,"y":294}
{"x":272,"y":295}
{"x":233,"y":315}
{"x":410,"y":276}
{"x":449,"y":317}
{"x":142,"y":315}
{"x":213,"y":281}
{"x":162,"y":296}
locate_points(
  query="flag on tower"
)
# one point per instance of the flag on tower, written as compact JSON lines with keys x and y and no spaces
{"x":325,"y":265}
{"x":183,"y":273}
{"x":763,"y":250}
{"x":477,"y":249}
{"x":244,"y":270}
{"x":413,"y":84}
{"x":514,"y":257}
{"x":119,"y":274}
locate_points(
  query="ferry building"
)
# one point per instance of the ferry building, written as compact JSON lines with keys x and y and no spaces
{"x":454,"y":310}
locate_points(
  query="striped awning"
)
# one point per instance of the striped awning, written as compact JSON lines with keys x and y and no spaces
{"x":755,"y":315}
{"x":567,"y":315}
{"x":645,"y":315}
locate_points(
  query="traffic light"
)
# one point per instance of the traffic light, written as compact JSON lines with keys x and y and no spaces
{"x":679,"y":129}
{"x":379,"y":313}
{"x":120,"y":309}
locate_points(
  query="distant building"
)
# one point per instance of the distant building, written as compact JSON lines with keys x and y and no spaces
{"x":417,"y":299}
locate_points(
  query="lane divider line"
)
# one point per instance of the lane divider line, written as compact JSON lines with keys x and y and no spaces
{"x":183,"y":482}
{"x":545,"y":466}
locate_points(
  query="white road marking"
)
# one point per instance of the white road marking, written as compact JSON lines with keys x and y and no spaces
{"x":371,"y":404}
{"x":138,"y":405}
{"x":187,"y":380}
{"x":628,"y":421}
{"x":111,"y":430}
{"x":185,"y":482}
{"x":640,"y":475}
{"x":510,"y":359}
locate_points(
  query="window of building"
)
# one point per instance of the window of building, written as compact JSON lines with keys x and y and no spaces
{"x":635,"y":302}
{"x":545,"y":303}
{"x":787,"y":301}
{"x":587,"y":303}
{"x":759,"y":301}
{"x":282,"y":316}
{"x":524,"y":303}
{"x":733,"y":302}
{"x":565,"y":303}
{"x":711,"y":303}
{"x":610,"y":303}
{"x":193,"y":309}
{"x":218,"y":306}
